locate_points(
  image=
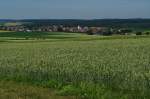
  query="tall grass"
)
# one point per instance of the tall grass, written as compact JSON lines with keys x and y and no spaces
{"x":99,"y":69}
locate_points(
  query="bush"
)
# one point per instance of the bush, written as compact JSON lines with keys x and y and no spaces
{"x":147,"y":33}
{"x":138,"y":33}
{"x":107,"y":33}
{"x":90,"y":32}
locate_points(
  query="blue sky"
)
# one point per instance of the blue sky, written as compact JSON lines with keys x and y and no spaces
{"x":74,"y":9}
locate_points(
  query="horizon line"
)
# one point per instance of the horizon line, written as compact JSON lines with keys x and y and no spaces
{"x":67,"y":18}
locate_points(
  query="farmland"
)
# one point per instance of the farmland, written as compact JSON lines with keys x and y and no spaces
{"x":90,"y":67}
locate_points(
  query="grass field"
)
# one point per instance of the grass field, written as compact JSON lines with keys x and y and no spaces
{"x":90,"y":67}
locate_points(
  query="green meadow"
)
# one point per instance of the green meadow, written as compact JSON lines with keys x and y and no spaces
{"x":73,"y":66}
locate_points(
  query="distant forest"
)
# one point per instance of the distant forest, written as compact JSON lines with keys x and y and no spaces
{"x":114,"y":23}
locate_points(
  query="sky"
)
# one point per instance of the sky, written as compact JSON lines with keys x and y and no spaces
{"x":74,"y":9}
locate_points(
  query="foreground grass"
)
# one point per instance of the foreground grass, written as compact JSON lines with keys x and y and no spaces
{"x":92,"y":68}
{"x":13,"y":90}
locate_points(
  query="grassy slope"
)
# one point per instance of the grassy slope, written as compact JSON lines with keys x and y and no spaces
{"x":89,"y":66}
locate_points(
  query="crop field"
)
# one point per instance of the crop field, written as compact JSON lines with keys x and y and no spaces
{"x":75,"y":65}
{"x":2,"y":31}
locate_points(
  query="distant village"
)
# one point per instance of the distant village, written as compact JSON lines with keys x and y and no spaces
{"x":61,"y":28}
{"x":54,"y":28}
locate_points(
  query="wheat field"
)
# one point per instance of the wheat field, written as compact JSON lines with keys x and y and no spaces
{"x":91,"y":68}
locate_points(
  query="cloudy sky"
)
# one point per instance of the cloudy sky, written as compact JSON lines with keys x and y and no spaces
{"x":74,"y":9}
